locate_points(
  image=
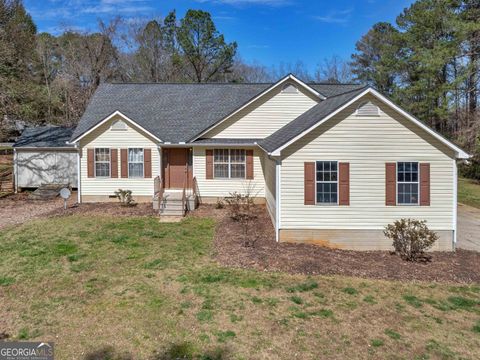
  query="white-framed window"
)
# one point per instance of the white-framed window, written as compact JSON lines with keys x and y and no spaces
{"x":229,"y":163}
{"x":135,"y":163}
{"x":407,"y":183}
{"x":327,"y":182}
{"x":102,"y":162}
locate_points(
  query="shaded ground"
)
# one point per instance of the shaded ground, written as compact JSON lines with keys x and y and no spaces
{"x":468,"y":237}
{"x":268,"y":255}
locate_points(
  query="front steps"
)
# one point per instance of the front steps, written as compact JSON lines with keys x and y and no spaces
{"x":172,"y":206}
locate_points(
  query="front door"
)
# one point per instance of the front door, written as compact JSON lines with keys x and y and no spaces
{"x":176,"y":167}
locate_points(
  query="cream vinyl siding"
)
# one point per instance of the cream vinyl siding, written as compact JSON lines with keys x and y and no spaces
{"x":223,"y":187}
{"x":265,"y":116}
{"x":270,"y":185}
{"x":104,"y":137}
{"x":367,"y":143}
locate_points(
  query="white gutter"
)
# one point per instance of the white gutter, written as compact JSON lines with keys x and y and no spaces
{"x":455,"y":203}
{"x":53,"y":148}
{"x":278,"y":174}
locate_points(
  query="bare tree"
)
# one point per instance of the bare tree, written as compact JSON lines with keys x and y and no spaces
{"x":333,"y":69}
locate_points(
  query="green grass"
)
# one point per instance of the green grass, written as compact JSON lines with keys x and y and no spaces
{"x":469,"y":192}
{"x":114,"y":288}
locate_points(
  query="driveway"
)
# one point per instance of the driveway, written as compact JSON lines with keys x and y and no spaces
{"x":468,"y":236}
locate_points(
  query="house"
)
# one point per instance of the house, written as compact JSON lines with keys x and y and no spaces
{"x":334,"y":163}
{"x":42,"y":155}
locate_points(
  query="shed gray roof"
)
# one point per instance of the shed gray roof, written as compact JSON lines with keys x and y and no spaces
{"x":44,"y":137}
{"x":177,"y":112}
{"x":307,"y":120}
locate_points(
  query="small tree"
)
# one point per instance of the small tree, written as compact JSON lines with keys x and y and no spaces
{"x":411,"y":238}
{"x":125,"y":197}
{"x":242,"y":209}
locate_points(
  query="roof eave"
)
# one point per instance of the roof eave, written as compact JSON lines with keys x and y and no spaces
{"x":459,"y":153}
{"x":258,"y":96}
{"x":109,"y":117}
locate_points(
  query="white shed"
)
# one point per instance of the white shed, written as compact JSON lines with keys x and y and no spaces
{"x":42,"y":156}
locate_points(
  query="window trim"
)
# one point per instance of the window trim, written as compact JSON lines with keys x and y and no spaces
{"x":128,"y":163}
{"x":230,"y":164}
{"x":103,"y":162}
{"x":407,"y":182}
{"x":338,"y":184}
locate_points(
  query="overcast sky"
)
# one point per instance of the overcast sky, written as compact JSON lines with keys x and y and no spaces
{"x":267,"y":31}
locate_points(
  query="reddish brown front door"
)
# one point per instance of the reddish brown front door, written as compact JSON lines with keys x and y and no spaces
{"x":176,"y":168}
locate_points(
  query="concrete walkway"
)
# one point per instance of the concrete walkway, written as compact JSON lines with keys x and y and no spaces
{"x":468,"y":236}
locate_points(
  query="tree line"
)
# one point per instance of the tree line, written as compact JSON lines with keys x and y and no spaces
{"x":427,"y":61}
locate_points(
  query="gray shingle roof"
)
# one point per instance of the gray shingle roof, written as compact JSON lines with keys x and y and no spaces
{"x":172,"y":112}
{"x":225,"y":141}
{"x":307,"y":119}
{"x":44,"y":136}
{"x":177,"y":112}
{"x":332,"y":89}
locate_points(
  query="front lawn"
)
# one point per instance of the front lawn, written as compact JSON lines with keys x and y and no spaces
{"x":469,"y":192}
{"x":134,"y":288}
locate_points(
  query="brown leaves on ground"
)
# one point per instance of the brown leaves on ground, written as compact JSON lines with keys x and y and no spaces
{"x":268,"y":255}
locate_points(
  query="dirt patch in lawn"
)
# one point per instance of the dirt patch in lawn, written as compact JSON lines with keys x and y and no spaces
{"x":268,"y":255}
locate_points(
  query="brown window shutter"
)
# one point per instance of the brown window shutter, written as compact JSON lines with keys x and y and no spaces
{"x":344,"y":183}
{"x":249,"y":154}
{"x":114,"y":163}
{"x":309,"y":180}
{"x":147,"y":163}
{"x":425,"y":184}
{"x":209,"y":162}
{"x":390,"y":184}
{"x":90,"y":163}
{"x":124,"y":163}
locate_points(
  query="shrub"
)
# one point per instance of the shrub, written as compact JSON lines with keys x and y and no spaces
{"x":242,"y":209}
{"x":125,"y":197}
{"x":220,"y":204}
{"x":411,"y":238}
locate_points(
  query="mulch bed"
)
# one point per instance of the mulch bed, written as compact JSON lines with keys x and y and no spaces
{"x":460,"y":267}
{"x":105,"y":209}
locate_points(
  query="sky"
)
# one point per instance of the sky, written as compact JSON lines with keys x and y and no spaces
{"x":268,"y":32}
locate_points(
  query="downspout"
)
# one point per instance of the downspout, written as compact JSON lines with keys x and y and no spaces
{"x":455,"y":204}
{"x":15,"y":169}
{"x":278,"y":174}
{"x":79,"y":174}
{"x":160,"y":153}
